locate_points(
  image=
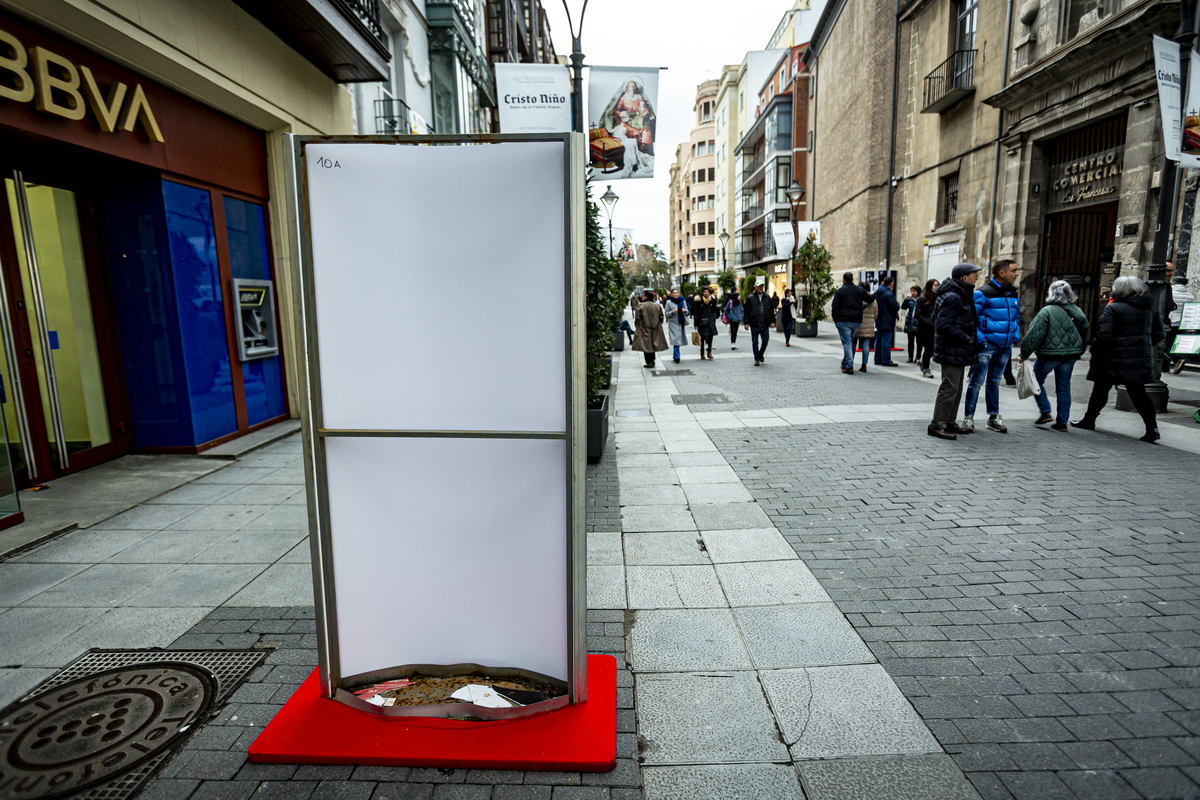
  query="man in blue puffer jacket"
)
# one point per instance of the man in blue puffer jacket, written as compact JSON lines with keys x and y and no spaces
{"x":998,"y":330}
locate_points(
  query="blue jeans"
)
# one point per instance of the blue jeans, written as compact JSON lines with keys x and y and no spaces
{"x":846,"y":331}
{"x":676,"y":353}
{"x":1062,"y":386}
{"x":883,"y":346}
{"x":866,"y":349}
{"x":788,"y":327}
{"x":758,"y":340}
{"x":990,"y":368}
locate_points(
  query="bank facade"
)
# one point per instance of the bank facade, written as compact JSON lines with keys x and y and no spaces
{"x":145,"y":260}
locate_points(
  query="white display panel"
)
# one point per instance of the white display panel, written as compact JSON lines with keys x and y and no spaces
{"x":439,"y":281}
{"x":449,"y":551}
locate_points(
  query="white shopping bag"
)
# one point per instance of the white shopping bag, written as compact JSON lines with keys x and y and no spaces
{"x":1027,"y":385}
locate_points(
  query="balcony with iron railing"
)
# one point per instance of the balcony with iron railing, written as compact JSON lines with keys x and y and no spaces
{"x":749,"y":214}
{"x":345,"y":39}
{"x":393,"y":116}
{"x":950,"y":82}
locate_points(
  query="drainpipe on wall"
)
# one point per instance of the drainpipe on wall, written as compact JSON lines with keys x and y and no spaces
{"x":891,"y":182}
{"x":999,"y":130}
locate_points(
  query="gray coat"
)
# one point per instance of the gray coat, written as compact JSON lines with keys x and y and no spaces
{"x":648,"y":327}
{"x":675,"y":330}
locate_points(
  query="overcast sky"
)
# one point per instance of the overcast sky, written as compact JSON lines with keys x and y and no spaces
{"x":692,"y":40}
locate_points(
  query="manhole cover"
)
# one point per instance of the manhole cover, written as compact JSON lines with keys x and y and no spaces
{"x":87,"y":731}
{"x":698,"y":399}
{"x":671,"y":373}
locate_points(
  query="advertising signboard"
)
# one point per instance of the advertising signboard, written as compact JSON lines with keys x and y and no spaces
{"x":533,"y":98}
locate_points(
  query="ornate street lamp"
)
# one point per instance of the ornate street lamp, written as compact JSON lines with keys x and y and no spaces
{"x":795,"y":193}
{"x":724,"y":237}
{"x":609,"y":198}
{"x":576,"y":67}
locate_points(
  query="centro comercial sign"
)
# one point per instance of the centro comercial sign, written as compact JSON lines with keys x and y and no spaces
{"x":1084,"y":181}
{"x":60,"y":88}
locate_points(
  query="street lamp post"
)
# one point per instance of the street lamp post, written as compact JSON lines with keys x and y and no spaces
{"x":576,"y":67}
{"x":795,"y":193}
{"x":609,"y":198}
{"x":724,"y":237}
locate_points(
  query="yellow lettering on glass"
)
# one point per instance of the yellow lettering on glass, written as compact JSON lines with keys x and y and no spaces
{"x":106,"y":109}
{"x":14,"y":67}
{"x":139,"y":112}
{"x":48,"y":86}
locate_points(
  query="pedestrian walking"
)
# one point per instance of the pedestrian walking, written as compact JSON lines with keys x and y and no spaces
{"x":910,"y":323}
{"x":787,"y":316}
{"x":1123,"y":353}
{"x":759,"y":319}
{"x":648,"y":321}
{"x":954,"y":346}
{"x":998,"y":312}
{"x":1057,"y":336}
{"x":676,"y":310}
{"x":733,"y":315}
{"x":887,"y":312}
{"x":925,"y":324}
{"x":866,"y":331}
{"x":705,"y":312}
{"x":847,"y":311}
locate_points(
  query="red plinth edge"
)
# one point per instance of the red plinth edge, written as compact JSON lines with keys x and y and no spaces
{"x":580,"y":738}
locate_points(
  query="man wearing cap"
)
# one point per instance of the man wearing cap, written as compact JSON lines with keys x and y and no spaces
{"x":998,"y":311}
{"x":954,"y":325}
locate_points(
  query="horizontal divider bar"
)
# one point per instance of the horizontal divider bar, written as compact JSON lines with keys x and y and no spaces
{"x":396,"y":434}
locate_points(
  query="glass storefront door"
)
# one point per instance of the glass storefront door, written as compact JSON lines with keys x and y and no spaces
{"x":56,"y":411}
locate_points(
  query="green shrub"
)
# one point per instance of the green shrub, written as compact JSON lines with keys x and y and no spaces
{"x":605,"y":301}
{"x":812,"y":267}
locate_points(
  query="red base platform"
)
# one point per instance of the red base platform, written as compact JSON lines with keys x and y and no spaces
{"x":312,"y":730}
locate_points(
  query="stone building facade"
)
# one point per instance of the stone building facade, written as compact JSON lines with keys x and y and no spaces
{"x":694,"y":250}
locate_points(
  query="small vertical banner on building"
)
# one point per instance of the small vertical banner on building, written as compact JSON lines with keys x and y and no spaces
{"x":1181,"y":126}
{"x":785,"y":238}
{"x":622,"y":121}
{"x":534,"y":98}
{"x":624,"y":248}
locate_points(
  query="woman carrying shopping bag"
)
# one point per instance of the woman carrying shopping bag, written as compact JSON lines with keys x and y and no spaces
{"x":1057,"y":337}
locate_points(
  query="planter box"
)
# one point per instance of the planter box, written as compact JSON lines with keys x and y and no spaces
{"x":619,"y":340}
{"x":804,"y":329}
{"x":597,"y":431}
{"x":607,"y":371}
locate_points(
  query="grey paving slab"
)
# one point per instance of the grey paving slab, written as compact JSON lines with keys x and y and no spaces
{"x":281,"y":518}
{"x":664,"y":549}
{"x":689,"y":639}
{"x":730,"y":516}
{"x":218,"y":517}
{"x":15,"y":683}
{"x":700,"y":493}
{"x":691,"y":446}
{"x":281,"y":584}
{"x":656,"y":518}
{"x":674,"y":587}
{"x":802,"y":635}
{"x":300,"y":554}
{"x":932,"y":777}
{"x":169,"y":547}
{"x":83,"y":547}
{"x":840,"y":712}
{"x":638,"y":437}
{"x":237,"y":476}
{"x":262,"y":494}
{"x":708,"y":458}
{"x":732,"y":781}
{"x":604,"y":549}
{"x":149,"y":517}
{"x":641,"y":447}
{"x":101,"y":585}
{"x":718,"y":474}
{"x":652,"y":495}
{"x":763,"y":583}
{"x":249,"y":546}
{"x":606,"y":587}
{"x":199,"y":585}
{"x":194,"y":494}
{"x":709,"y":718}
{"x":26,"y":632}
{"x":645,"y":460}
{"x":644,"y":476}
{"x":754,"y":544}
{"x":122,"y":628}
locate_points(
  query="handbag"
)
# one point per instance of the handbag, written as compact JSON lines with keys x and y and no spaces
{"x":1027,"y":385}
{"x":696,"y":338}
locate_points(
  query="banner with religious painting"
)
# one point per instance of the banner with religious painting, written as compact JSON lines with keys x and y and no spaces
{"x":622,"y":121}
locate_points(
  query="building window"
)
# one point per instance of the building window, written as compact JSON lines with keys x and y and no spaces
{"x":950,"y":199}
{"x":712,"y":228}
{"x":712,"y":147}
{"x":712,"y":174}
{"x":968,"y":13}
{"x":741,"y":100}
{"x":712,"y":201}
{"x":712,"y":251}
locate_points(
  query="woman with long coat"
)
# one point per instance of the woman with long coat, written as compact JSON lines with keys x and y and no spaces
{"x":648,"y":324}
{"x":924,"y":315}
{"x":1123,"y":353}
{"x":787,"y":316}
{"x":705,"y":310}
{"x":866,"y":333}
{"x":676,"y":310}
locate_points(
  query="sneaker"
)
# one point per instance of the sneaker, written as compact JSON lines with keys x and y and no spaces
{"x":1043,"y":419}
{"x":927,"y":373}
{"x":1084,"y":424}
{"x":734,"y":347}
{"x":757,"y":363}
{"x":956,"y":428}
{"x":1151,"y":436}
{"x":1060,"y":427}
{"x":996,"y":423}
{"x":968,"y":425}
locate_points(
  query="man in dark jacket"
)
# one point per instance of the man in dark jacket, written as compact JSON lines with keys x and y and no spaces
{"x":888,"y":311}
{"x":954,"y":346}
{"x":847,"y":307}
{"x":999,"y":317}
{"x":760,"y":317}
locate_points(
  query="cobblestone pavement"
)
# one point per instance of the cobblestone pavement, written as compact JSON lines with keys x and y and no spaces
{"x":1033,"y":594}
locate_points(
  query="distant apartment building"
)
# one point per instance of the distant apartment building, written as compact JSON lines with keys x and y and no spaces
{"x":694,"y":243}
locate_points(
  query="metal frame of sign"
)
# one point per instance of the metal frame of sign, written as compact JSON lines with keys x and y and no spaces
{"x":315,"y":435}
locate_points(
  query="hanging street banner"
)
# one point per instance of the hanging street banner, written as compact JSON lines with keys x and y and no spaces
{"x":533,"y":98}
{"x":622,"y":121}
{"x":623,"y":246}
{"x":1181,"y":129}
{"x":784,"y":238}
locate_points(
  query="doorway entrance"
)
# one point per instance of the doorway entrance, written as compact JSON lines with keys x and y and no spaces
{"x":60,"y":402}
{"x":1077,"y":244}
